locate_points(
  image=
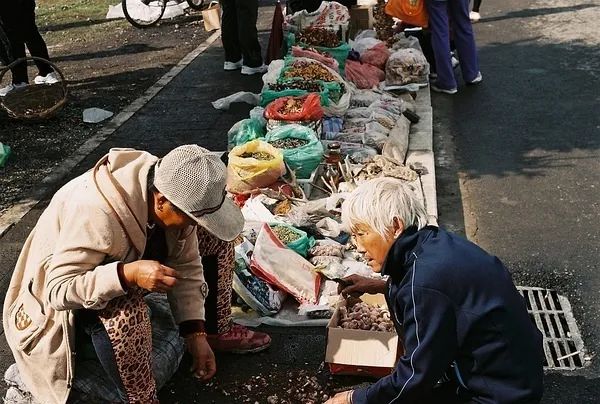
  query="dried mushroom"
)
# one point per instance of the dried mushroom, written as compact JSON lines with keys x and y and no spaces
{"x":362,"y":316}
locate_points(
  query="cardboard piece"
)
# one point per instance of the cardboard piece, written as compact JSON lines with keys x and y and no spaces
{"x":361,"y":18}
{"x":360,"y":352}
{"x":212,"y":17}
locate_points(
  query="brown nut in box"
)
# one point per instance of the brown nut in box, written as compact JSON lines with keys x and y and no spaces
{"x":361,"y":352}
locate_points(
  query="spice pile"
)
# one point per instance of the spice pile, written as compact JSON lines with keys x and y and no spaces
{"x":257,"y":155}
{"x":307,"y":85}
{"x":285,"y":234}
{"x":289,"y":143}
{"x":309,"y":71}
{"x":383,"y":23}
{"x":362,"y":316}
{"x":319,"y":37}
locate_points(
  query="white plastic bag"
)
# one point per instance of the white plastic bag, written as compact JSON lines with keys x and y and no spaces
{"x":241,"y":96}
{"x":396,"y":146}
{"x":276,"y":264}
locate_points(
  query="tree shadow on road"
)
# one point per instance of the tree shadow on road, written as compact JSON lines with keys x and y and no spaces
{"x":127,"y":49}
{"x":536,"y":12}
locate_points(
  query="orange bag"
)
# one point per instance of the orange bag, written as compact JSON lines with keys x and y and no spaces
{"x":412,"y":12}
{"x":311,"y":109}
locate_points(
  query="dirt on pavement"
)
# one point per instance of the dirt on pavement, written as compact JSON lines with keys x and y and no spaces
{"x":108,"y":64}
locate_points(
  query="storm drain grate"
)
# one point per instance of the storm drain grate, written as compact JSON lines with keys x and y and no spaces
{"x":552,"y":315}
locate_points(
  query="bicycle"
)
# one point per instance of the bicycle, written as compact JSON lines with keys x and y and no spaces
{"x":147,"y":13}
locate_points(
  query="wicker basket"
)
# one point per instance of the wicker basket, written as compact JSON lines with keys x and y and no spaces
{"x":36,"y":101}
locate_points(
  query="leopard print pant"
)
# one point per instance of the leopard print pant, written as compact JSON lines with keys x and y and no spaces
{"x":129,"y":329}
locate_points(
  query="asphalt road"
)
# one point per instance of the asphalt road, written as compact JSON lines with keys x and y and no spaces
{"x":519,"y":159}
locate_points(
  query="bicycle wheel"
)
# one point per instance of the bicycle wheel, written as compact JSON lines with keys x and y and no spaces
{"x":143,"y":13}
{"x":196,"y":4}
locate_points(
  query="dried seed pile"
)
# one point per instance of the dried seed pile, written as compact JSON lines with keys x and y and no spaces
{"x":306,"y":85}
{"x":319,"y":37}
{"x":309,"y":71}
{"x":292,"y":106}
{"x":289,"y":143}
{"x":384,"y":24}
{"x":257,"y":155}
{"x":285,"y":234}
{"x":362,"y":316}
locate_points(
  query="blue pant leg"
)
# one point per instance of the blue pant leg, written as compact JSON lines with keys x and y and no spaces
{"x":464,"y":38}
{"x":440,"y":41}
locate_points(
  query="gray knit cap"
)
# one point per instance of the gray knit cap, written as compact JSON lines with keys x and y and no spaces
{"x":193,"y":179}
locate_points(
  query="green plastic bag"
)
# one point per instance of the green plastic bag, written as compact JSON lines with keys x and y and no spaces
{"x":304,"y":159}
{"x":244,"y":131}
{"x":302,"y":244}
{"x":4,"y":153}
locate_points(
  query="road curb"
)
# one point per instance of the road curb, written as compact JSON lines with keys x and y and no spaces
{"x":21,"y":208}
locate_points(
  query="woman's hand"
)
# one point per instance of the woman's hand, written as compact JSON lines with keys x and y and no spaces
{"x":341,"y":398}
{"x":149,"y":275}
{"x":204,"y":365}
{"x":356,"y":285}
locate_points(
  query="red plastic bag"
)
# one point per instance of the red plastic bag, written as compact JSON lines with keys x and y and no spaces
{"x":310,"y":109}
{"x":314,"y":55}
{"x":363,"y":75}
{"x":376,"y":56}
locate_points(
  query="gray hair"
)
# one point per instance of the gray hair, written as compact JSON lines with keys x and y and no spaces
{"x":377,"y":202}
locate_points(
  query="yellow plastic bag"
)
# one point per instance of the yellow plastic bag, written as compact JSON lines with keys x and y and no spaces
{"x":246,"y":173}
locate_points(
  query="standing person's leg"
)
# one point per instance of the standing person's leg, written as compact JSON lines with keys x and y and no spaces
{"x":12,"y":18}
{"x":211,"y":277}
{"x":476,"y":5}
{"x":440,"y":41}
{"x":31,"y":35}
{"x":229,"y":35}
{"x":247,"y":13}
{"x":465,"y":40}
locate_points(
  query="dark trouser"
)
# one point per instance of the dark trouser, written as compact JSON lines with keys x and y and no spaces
{"x":439,"y":13}
{"x":211,"y":277}
{"x":19,"y":23}
{"x":476,"y":5}
{"x":239,"y":33}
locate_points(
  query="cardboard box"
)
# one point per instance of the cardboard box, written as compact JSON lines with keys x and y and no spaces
{"x":212,"y":17}
{"x":361,"y":18}
{"x":360,"y":352}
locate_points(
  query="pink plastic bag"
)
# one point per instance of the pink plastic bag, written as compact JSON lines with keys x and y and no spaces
{"x":363,"y":75}
{"x":376,"y":56}
{"x":282,"y":267}
{"x":314,"y":55}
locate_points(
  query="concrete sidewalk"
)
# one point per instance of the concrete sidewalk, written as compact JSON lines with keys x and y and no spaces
{"x":182,"y":113}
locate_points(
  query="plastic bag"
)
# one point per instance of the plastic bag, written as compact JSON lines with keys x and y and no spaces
{"x":241,"y":96}
{"x":4,"y":153}
{"x":364,"y":75}
{"x":406,"y":66}
{"x":376,"y":56}
{"x":362,"y":43}
{"x":245,"y":174}
{"x":396,"y":146}
{"x":304,"y":159}
{"x":302,"y":244}
{"x":327,"y":60}
{"x":278,"y":265}
{"x":311,"y":109}
{"x":245,"y":131}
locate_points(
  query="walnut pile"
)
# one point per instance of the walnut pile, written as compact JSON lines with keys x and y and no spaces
{"x":362,"y":316}
{"x":319,"y":37}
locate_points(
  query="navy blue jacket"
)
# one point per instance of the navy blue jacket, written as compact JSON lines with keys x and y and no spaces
{"x":453,"y":303}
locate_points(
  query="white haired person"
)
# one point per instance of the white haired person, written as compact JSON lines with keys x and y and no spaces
{"x":123,"y":228}
{"x":466,"y":332}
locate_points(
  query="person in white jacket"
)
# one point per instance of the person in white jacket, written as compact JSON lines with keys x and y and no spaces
{"x":123,"y":228}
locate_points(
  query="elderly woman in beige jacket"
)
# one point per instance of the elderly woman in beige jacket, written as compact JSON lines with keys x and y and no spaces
{"x":122,"y":228}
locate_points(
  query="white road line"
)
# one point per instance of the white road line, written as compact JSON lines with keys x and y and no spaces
{"x":21,"y":208}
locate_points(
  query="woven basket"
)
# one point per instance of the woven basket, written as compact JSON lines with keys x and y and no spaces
{"x":36,"y":101}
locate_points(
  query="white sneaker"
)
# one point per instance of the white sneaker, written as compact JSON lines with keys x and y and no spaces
{"x":474,"y":17}
{"x":454,"y":61}
{"x":478,"y":79}
{"x":50,"y":78}
{"x":229,"y":66}
{"x":254,"y":70}
{"x":11,"y":87}
{"x":443,"y":90}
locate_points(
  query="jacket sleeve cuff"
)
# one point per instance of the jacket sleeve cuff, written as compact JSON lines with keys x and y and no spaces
{"x":359,"y":396}
{"x":191,"y":326}
{"x":114,"y":287}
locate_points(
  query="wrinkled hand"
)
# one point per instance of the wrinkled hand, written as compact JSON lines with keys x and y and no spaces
{"x":204,"y":365}
{"x":340,"y":398}
{"x":150,"y":275}
{"x":356,"y":285}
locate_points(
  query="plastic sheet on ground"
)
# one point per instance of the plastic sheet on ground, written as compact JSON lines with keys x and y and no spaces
{"x":241,"y":96}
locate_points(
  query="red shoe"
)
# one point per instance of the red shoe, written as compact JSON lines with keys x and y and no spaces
{"x":239,"y":340}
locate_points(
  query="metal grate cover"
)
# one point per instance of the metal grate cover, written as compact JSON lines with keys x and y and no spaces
{"x":553,"y":316}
